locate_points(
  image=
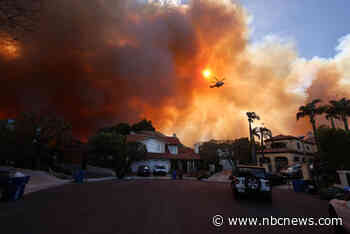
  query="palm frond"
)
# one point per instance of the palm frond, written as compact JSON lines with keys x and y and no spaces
{"x":300,"y":115}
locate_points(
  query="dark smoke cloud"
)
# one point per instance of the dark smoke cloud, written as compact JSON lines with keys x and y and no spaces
{"x":100,"y":62}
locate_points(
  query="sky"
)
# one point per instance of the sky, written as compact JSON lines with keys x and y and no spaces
{"x":315,"y":26}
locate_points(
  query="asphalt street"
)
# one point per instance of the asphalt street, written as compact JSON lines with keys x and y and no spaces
{"x":152,"y":206}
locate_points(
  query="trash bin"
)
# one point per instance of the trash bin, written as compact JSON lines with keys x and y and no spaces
{"x":347,"y":189}
{"x":174,"y":175}
{"x":16,"y":187}
{"x":298,"y":186}
{"x":79,"y":176}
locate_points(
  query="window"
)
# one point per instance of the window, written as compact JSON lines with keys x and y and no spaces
{"x":154,"y":146}
{"x":308,"y":147}
{"x":172,"y":149}
{"x":278,"y":145}
{"x":298,"y":145}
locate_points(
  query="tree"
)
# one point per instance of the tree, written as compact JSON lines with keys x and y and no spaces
{"x":262,"y":133}
{"x":232,"y":150}
{"x":335,"y":144}
{"x":238,"y":149}
{"x":252,"y":116}
{"x":134,"y":151}
{"x":311,"y":110}
{"x":35,"y":133}
{"x":143,"y":125}
{"x":120,"y":128}
{"x":7,"y":141}
{"x":331,"y":114}
{"x":105,"y":144}
{"x":115,"y":145}
{"x":209,"y":151}
{"x":342,"y":109}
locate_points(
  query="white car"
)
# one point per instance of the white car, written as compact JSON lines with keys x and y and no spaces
{"x":251,"y":180}
{"x":160,"y":170}
{"x":340,"y":208}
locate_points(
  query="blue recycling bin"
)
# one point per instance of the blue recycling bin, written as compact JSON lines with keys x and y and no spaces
{"x":79,"y":176}
{"x":13,"y":187}
{"x":347,"y":189}
{"x":17,"y":187}
{"x":174,"y":175}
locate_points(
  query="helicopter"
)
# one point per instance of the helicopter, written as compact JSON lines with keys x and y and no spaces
{"x":217,"y":83}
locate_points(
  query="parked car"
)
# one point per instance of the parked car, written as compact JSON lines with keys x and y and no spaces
{"x":331,"y":193}
{"x":340,"y":208}
{"x":143,"y":171}
{"x":276,"y":179}
{"x":292,"y":172}
{"x":251,"y":180}
{"x":311,"y":187}
{"x":160,"y":170}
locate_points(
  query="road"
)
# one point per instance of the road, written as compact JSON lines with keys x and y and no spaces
{"x":155,"y":207}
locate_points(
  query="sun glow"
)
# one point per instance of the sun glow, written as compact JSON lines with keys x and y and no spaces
{"x":206,"y":73}
{"x":9,"y":49}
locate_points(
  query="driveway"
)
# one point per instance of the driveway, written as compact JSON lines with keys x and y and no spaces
{"x":156,"y":207}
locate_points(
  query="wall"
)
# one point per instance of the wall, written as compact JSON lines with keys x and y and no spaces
{"x":289,"y":156}
{"x":293,"y":145}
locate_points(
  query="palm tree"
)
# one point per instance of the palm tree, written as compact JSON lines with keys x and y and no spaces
{"x":251,"y":117}
{"x":311,"y":110}
{"x":342,"y":109}
{"x":262,"y":133}
{"x":331,"y":114}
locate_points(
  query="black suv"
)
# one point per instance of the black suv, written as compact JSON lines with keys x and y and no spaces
{"x":251,"y":180}
{"x":144,"y":171}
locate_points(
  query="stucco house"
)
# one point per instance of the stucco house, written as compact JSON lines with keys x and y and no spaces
{"x":165,"y":151}
{"x":285,"y":150}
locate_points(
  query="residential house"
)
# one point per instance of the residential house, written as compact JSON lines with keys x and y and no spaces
{"x":164,"y":151}
{"x":284,"y":150}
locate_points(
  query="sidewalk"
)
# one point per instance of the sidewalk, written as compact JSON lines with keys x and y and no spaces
{"x":222,"y":177}
{"x":40,"y":180}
